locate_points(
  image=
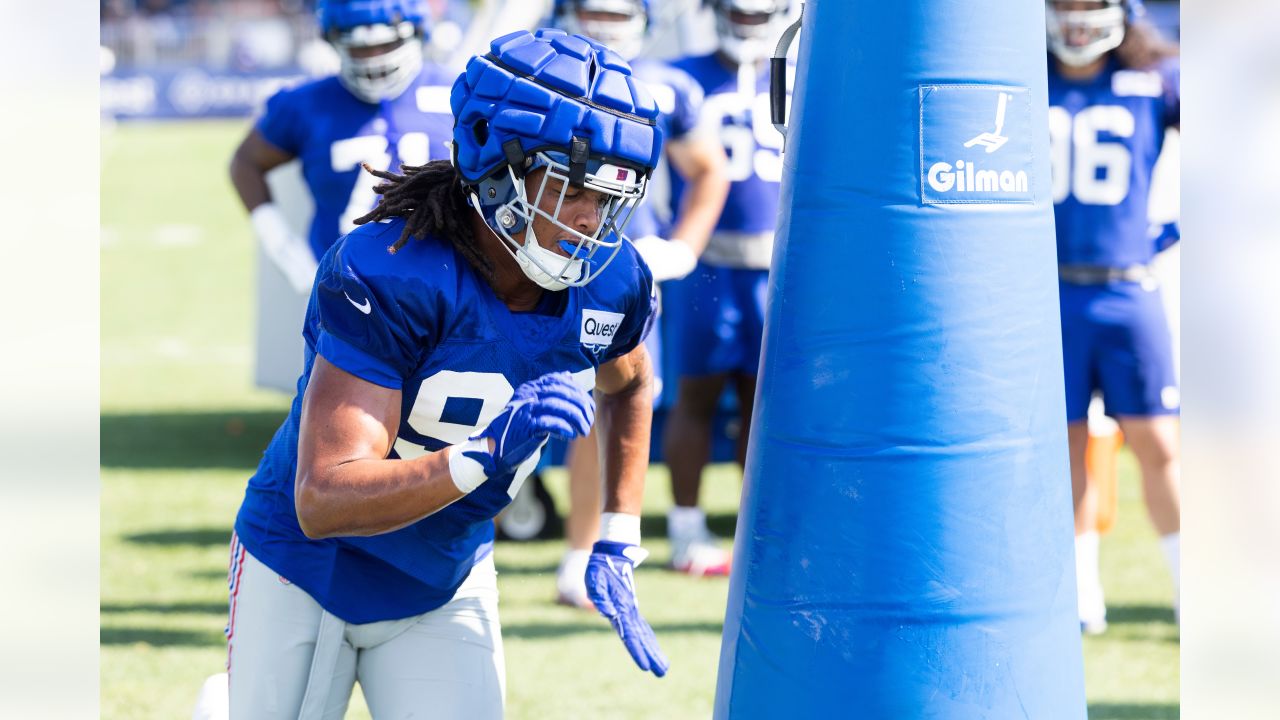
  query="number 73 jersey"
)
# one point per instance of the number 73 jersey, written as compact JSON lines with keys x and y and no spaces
{"x":332,"y":133}
{"x":1105,"y":135}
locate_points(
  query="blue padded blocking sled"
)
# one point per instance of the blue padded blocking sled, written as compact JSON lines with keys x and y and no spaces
{"x":905,"y":543}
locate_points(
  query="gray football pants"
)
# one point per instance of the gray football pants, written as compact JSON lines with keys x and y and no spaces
{"x":290,"y":659}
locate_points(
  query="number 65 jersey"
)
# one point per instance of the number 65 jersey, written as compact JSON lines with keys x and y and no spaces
{"x":736,"y":108}
{"x":423,"y":322}
{"x":1105,"y":135}
{"x":332,"y":133}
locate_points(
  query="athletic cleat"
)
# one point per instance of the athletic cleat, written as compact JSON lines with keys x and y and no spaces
{"x":1092,"y":609}
{"x":700,"y":557}
{"x":1096,"y":626}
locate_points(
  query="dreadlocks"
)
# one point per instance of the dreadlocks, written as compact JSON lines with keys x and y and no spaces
{"x":430,"y":198}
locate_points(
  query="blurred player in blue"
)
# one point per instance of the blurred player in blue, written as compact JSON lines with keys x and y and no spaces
{"x":384,"y":108}
{"x":669,"y":244}
{"x":718,"y":310}
{"x":449,"y":336}
{"x":1113,"y":92}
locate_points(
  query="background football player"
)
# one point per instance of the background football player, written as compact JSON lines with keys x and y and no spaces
{"x":1113,"y":92}
{"x":449,"y":336}
{"x":669,"y":244}
{"x":718,"y":310}
{"x":384,"y":107}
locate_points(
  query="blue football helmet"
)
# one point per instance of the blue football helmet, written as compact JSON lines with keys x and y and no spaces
{"x":568,"y":104}
{"x":749,"y":29}
{"x":1077,"y":37}
{"x":624,"y":35}
{"x":379,"y":43}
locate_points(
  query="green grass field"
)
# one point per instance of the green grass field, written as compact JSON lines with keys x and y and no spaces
{"x":182,"y":429}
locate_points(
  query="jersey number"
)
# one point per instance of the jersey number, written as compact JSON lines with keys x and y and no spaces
{"x":1095,"y":171}
{"x":451,"y":406}
{"x":346,"y":155}
{"x":753,"y":149}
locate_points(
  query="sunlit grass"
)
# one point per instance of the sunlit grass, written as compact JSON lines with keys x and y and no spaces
{"x":182,"y":430}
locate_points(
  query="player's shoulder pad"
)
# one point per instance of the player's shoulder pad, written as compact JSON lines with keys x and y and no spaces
{"x":626,"y":279}
{"x":665,"y":79}
{"x":368,"y":248}
{"x":422,"y":276}
{"x":432,"y":74}
{"x":1170,"y":70}
{"x":696,"y":65}
{"x":308,"y":91}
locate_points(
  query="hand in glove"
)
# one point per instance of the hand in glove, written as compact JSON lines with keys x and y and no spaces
{"x":667,"y":259}
{"x":550,"y":406}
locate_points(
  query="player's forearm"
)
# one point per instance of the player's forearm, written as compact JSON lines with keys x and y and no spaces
{"x":701,"y":162}
{"x":370,"y":497}
{"x":623,"y":421}
{"x":250,"y":182}
{"x":700,"y":209}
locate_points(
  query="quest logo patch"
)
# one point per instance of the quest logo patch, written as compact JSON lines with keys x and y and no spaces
{"x":975,"y":144}
{"x":599,"y":328}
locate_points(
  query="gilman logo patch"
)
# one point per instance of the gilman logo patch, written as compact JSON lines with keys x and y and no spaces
{"x":598,"y":329}
{"x":975,"y":144}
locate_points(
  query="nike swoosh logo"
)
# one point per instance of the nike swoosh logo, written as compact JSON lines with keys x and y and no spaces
{"x":366,"y":307}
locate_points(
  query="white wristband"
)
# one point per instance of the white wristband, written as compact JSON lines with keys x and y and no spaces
{"x":291,"y":253}
{"x":269,"y":223}
{"x":620,"y":527}
{"x":467,"y":474}
{"x":667,"y":259}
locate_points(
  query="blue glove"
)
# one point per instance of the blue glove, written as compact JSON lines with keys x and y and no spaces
{"x":551,"y":406}
{"x":611,"y":586}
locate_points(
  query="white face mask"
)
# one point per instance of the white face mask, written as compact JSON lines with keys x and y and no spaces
{"x":623,"y":187}
{"x":625,"y":37}
{"x":534,"y":260}
{"x":386,"y":75}
{"x":748,"y":43}
{"x":1102,"y":28}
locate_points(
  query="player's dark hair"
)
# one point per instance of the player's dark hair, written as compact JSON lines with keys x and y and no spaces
{"x":431,"y":200}
{"x":1144,"y":46}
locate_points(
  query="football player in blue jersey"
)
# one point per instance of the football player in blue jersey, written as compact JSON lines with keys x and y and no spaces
{"x":669,"y":245}
{"x":718,"y":310}
{"x":449,"y":336}
{"x":1113,"y":93}
{"x":384,"y":108}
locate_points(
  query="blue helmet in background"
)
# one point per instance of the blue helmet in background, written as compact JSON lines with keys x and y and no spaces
{"x":623,"y":34}
{"x":1078,"y":37}
{"x":568,"y":104}
{"x":379,"y":43}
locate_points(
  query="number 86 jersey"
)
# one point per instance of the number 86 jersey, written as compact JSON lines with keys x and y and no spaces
{"x":1105,"y":136}
{"x":332,"y":133}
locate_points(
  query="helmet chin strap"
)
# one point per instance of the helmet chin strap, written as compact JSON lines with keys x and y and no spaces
{"x":531,"y":257}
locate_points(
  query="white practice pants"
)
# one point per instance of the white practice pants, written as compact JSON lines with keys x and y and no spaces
{"x":290,"y":659}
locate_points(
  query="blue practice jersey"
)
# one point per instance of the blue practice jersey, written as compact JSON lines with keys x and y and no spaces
{"x":333,"y":132}
{"x":679,"y":99}
{"x":1105,"y":136}
{"x":741,"y":118}
{"x":424,"y":322}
